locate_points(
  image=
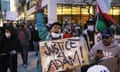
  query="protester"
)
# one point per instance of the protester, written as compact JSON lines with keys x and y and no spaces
{"x":97,"y":36}
{"x":108,"y":47}
{"x":24,"y":36}
{"x":9,"y":46}
{"x":89,"y":32}
{"x":53,"y":33}
{"x":76,"y":30}
{"x":67,"y":34}
{"x":1,"y":32}
{"x":98,"y":68}
{"x":67,"y":31}
{"x":35,"y":40}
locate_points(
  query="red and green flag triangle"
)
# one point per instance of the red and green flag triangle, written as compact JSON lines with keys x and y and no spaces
{"x":104,"y":20}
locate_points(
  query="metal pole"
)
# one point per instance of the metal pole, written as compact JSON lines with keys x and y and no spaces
{"x":25,"y":13}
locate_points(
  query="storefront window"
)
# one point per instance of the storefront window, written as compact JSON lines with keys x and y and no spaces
{"x":74,"y":13}
{"x":115,"y":13}
{"x":77,"y":13}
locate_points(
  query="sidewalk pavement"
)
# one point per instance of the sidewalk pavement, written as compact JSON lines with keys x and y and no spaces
{"x":32,"y":63}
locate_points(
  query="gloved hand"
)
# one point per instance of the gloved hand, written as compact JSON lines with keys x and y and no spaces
{"x":13,"y":52}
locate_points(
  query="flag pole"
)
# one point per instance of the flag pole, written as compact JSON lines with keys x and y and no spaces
{"x":97,"y":17}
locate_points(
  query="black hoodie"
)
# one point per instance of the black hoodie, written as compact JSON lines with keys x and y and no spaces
{"x":9,"y":44}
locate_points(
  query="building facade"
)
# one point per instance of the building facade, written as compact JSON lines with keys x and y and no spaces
{"x":5,"y":6}
{"x":77,"y":11}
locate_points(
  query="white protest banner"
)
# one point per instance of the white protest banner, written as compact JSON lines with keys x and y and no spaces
{"x":57,"y":55}
{"x":11,"y":15}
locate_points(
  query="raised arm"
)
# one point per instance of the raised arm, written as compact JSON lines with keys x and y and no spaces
{"x":42,"y":29}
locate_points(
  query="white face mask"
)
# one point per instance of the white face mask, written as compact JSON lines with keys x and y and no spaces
{"x":7,"y":35}
{"x":55,"y":35}
{"x":90,"y":27}
{"x":36,"y":28}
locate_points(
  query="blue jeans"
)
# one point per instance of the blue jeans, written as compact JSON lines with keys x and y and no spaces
{"x":36,"y":46}
{"x":24,"y":54}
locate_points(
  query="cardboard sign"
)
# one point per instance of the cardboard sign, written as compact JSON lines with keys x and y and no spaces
{"x":57,"y":55}
{"x":11,"y":16}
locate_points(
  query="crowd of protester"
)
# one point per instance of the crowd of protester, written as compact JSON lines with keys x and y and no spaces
{"x":99,"y":48}
{"x":18,"y":39}
{"x":103,"y":49}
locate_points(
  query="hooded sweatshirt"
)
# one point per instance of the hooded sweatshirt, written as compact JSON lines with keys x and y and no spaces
{"x":108,"y":51}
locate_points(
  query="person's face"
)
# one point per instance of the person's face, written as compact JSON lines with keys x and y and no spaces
{"x":107,"y":40}
{"x":7,"y":33}
{"x":56,"y":29}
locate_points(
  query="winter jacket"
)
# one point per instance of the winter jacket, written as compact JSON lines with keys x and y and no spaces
{"x":24,"y":36}
{"x":7,"y":45}
{"x":42,"y":29}
{"x":43,"y":33}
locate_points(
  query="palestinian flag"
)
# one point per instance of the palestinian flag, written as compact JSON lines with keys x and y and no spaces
{"x":104,"y":21}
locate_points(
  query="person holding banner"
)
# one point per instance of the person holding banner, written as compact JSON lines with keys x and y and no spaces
{"x":53,"y":33}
